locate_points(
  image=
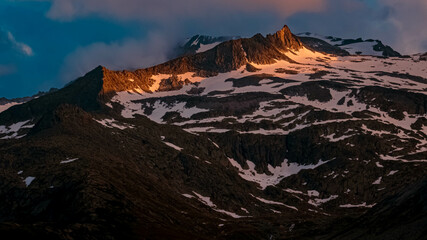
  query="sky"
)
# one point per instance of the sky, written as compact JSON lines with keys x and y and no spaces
{"x":48,"y":43}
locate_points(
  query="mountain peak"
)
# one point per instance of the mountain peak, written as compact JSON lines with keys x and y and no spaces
{"x":284,"y":39}
{"x":285,"y":29}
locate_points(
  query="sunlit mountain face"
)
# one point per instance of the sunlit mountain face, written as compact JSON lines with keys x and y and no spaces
{"x":276,"y":136}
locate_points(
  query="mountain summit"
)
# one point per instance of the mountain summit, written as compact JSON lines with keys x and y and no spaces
{"x":284,"y":39}
{"x":268,"y":137}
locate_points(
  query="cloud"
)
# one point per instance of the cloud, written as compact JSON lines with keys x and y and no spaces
{"x":7,"y":40}
{"x":175,"y":9}
{"x":406,"y":22}
{"x":171,"y":19}
{"x":127,"y":54}
{"x":400,"y":24}
{"x":387,"y":20}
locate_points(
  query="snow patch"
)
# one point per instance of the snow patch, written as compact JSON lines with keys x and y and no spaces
{"x":245,"y":210}
{"x":294,"y":191}
{"x":378,"y":181}
{"x":112,"y":123}
{"x":313,"y":193}
{"x":187,"y":195}
{"x":29,"y":180}
{"x":332,"y":137}
{"x":68,"y":160}
{"x":379,"y":165}
{"x":11,"y":131}
{"x":275,"y":211}
{"x":398,"y":158}
{"x":206,"y":47}
{"x":362,"y":48}
{"x":278,"y":173}
{"x":274,"y":203}
{"x":357,"y":205}
{"x":318,"y":201}
{"x":207,"y":201}
{"x":173,"y":146}
{"x":216,"y":145}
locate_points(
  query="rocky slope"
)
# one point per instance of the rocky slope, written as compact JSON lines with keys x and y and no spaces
{"x":257,"y":138}
{"x":357,"y":46}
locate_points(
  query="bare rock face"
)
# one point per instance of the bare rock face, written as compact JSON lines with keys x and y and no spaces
{"x":284,"y":39}
{"x":117,"y":81}
{"x":386,"y":50}
{"x":172,"y":83}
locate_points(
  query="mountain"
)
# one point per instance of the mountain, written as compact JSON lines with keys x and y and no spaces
{"x":354,"y":46}
{"x":325,"y":44}
{"x":255,"y":138}
{"x":197,"y":44}
{"x":7,"y":103}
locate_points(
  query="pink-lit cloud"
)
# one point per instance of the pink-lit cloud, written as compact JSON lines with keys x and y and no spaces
{"x":167,"y":9}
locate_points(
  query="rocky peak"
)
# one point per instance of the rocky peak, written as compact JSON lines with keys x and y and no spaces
{"x":100,"y":84}
{"x":284,"y":39}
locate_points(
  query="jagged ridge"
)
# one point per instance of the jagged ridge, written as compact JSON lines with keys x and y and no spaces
{"x":101,"y":83}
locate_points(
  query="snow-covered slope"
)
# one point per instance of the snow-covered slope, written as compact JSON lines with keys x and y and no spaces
{"x":5,"y":106}
{"x":357,"y":46}
{"x":354,"y":72}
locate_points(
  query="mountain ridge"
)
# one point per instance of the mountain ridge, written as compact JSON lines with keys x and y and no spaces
{"x":209,"y":63}
{"x":256,"y":138}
